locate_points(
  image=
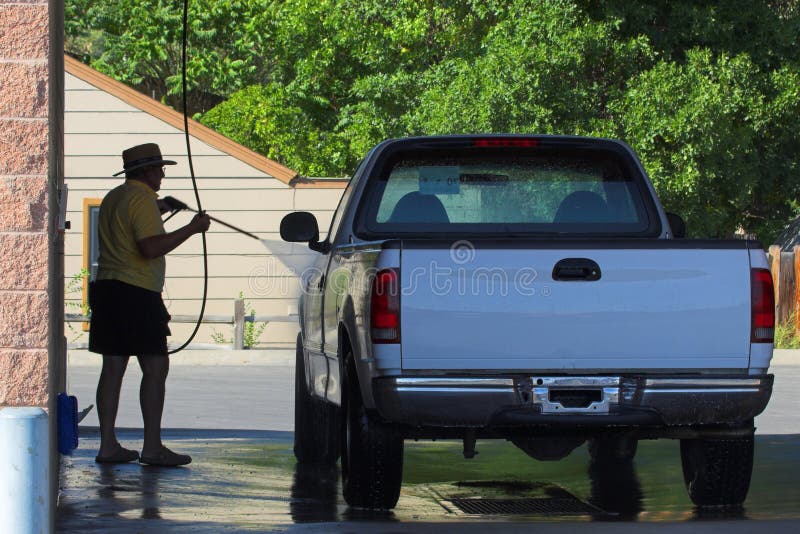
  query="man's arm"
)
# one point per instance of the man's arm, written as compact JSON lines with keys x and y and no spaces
{"x":159,"y":245}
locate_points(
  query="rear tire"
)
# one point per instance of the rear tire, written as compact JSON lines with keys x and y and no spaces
{"x":317,"y":424}
{"x":717,"y":471}
{"x":372,"y":454}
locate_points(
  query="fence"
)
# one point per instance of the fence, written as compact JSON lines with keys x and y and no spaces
{"x":237,"y":321}
{"x":785,"y":268}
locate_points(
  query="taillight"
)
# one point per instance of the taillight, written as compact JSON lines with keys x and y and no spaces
{"x":385,"y":307}
{"x":505,"y":142}
{"x":762,"y":316}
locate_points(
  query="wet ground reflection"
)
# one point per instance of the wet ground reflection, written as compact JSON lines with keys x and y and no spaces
{"x":615,"y":489}
{"x":314,"y":493}
{"x":130,"y":491}
{"x":243,"y":481}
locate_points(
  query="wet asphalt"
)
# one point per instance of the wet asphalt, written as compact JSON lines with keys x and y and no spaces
{"x":235,"y":420}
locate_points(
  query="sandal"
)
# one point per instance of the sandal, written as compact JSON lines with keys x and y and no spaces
{"x":166,"y":458}
{"x":120,"y":456}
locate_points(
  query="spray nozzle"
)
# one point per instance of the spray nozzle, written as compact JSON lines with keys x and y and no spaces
{"x":174,"y":204}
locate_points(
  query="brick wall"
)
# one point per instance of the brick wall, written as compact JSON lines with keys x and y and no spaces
{"x":24,"y":150}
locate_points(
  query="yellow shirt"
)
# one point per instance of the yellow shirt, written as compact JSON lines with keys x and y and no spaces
{"x":128,"y":214}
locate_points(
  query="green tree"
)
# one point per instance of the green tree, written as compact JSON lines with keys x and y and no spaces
{"x":346,"y":71}
{"x":706,"y":92}
{"x":139,"y":43}
{"x":544,"y":68}
{"x":764,"y":30}
{"x":711,"y":131}
{"x":281,"y":126}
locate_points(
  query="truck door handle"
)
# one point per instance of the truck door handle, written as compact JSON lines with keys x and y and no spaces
{"x":576,"y":270}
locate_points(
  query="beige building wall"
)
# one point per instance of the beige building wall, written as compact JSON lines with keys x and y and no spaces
{"x":236,"y":185}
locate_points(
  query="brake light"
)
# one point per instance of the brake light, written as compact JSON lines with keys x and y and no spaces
{"x":385,"y":307}
{"x":762,"y":317}
{"x":505,"y":142}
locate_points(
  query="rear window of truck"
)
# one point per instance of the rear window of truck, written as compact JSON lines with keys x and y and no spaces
{"x":509,"y":192}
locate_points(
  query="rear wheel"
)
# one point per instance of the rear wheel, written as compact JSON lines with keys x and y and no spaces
{"x":317,"y":423}
{"x":372,"y":454}
{"x":717,"y":471}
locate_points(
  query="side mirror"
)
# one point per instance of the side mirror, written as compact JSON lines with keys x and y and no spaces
{"x":677,"y":225}
{"x":301,"y":227}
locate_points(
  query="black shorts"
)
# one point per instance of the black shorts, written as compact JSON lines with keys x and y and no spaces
{"x":127,"y":320}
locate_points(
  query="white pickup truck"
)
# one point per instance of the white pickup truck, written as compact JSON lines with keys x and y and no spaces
{"x":528,"y":288}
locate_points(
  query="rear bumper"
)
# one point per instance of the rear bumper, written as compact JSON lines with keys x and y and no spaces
{"x":514,"y":401}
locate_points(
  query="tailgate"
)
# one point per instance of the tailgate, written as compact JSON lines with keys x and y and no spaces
{"x":499,"y":308}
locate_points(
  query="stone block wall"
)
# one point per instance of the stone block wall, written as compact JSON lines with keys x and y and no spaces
{"x":24,"y":239}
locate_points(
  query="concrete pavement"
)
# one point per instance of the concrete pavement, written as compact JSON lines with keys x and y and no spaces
{"x":246,"y":481}
{"x":245,"y":390}
{"x":232,"y":412}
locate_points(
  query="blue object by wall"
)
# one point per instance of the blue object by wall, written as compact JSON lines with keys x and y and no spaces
{"x":67,"y":423}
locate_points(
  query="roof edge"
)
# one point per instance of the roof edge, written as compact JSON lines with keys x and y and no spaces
{"x":306,"y":182}
{"x":173,"y":118}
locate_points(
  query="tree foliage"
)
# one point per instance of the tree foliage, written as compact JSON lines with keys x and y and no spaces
{"x":706,"y":92}
{"x":139,"y":43}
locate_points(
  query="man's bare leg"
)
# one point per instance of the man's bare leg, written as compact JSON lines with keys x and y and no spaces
{"x":108,"y":390}
{"x":151,"y":396}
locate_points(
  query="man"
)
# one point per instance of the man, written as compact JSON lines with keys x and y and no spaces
{"x":128,"y":314}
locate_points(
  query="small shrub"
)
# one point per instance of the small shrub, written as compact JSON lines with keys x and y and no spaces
{"x":252,"y":329}
{"x":73,"y":287}
{"x":786,"y":335}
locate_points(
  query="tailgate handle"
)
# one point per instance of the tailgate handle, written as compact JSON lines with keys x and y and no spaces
{"x":576,"y":269}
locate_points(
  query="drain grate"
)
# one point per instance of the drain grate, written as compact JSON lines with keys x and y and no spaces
{"x":532,"y":506}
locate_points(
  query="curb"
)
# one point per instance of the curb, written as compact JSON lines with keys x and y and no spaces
{"x":786,"y":357}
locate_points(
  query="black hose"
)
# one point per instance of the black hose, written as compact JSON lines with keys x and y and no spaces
{"x":171,"y":215}
{"x":191,"y":172}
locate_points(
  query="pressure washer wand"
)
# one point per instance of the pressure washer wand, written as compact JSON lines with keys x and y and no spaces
{"x":223,"y":223}
{"x":177,"y":206}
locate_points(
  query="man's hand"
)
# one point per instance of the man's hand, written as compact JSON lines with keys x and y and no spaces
{"x":158,"y":245}
{"x":200,"y":223}
{"x":173,"y":204}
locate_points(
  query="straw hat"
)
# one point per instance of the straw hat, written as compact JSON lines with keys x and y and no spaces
{"x":147,"y":155}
